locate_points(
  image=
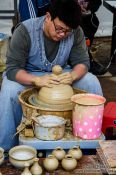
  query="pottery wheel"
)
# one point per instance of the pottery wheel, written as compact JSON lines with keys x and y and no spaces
{"x":44,"y":106}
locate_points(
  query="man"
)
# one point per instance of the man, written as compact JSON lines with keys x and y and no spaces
{"x":36,"y":46}
{"x":90,"y":21}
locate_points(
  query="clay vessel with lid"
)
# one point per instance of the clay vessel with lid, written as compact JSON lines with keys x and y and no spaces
{"x":50,"y":163}
{"x":76,"y":152}
{"x":59,"y":153}
{"x":57,"y":95}
{"x":26,"y":170}
{"x":69,"y":163}
{"x":36,"y":168}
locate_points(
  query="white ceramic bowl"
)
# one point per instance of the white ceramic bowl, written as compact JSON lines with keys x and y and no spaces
{"x":1,"y":155}
{"x":20,"y":155}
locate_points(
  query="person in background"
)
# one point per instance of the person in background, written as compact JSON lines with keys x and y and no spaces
{"x":32,"y":8}
{"x":90,"y":21}
{"x":36,"y":46}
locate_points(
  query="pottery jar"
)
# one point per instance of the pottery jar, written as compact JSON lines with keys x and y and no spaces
{"x":76,"y":152}
{"x":0,"y":173}
{"x":36,"y":168}
{"x":69,"y":163}
{"x":59,"y":153}
{"x":1,"y":155}
{"x":50,"y":163}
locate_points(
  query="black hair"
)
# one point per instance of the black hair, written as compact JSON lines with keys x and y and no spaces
{"x":68,"y":11}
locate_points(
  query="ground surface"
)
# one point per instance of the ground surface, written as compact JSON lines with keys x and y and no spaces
{"x":108,"y":81}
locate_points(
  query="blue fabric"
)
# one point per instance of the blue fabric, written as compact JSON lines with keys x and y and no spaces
{"x":42,"y":3}
{"x":30,"y":8}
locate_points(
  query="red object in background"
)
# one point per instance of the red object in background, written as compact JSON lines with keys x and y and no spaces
{"x":109,"y":118}
{"x":88,"y":42}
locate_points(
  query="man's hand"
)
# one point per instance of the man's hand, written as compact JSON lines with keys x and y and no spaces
{"x":46,"y":81}
{"x":68,"y":77}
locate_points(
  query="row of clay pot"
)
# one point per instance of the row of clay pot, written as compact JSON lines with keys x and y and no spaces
{"x":68,"y":161}
{"x":51,"y":163}
{"x":75,"y":151}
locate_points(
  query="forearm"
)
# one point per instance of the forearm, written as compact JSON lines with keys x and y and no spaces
{"x":24,"y":77}
{"x":79,"y":71}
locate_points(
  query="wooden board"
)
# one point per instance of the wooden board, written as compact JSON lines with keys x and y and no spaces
{"x":109,"y":150}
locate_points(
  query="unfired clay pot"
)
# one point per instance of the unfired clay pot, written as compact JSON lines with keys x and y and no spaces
{"x":76,"y":152}
{"x":26,"y":170}
{"x":69,"y":163}
{"x":59,"y":153}
{"x":1,"y":155}
{"x":50,"y":163}
{"x":57,"y":95}
{"x":36,"y":168}
{"x":21,"y":155}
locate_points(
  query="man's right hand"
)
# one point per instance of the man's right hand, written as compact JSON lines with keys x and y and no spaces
{"x":46,"y":80}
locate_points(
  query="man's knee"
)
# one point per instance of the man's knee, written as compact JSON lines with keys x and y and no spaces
{"x":89,"y":83}
{"x":10,"y":88}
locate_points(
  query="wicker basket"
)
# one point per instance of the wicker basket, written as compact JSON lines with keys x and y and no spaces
{"x":30,"y":110}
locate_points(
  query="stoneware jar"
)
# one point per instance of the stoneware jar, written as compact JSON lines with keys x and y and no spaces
{"x":50,"y":163}
{"x":36,"y":168}
{"x":76,"y":152}
{"x":1,"y":155}
{"x":59,"y":153}
{"x":69,"y":163}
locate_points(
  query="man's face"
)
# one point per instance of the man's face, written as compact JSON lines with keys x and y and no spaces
{"x":56,"y":29}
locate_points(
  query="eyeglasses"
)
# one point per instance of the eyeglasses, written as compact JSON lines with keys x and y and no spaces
{"x":59,"y":30}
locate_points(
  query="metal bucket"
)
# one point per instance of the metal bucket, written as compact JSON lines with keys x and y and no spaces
{"x":87,"y":115}
{"x":49,"y":127}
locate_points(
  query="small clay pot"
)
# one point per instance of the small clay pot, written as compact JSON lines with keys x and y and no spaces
{"x":50,"y":163}
{"x":76,"y":152}
{"x":1,"y":155}
{"x":59,"y":153}
{"x":36,"y":168}
{"x":26,"y":170}
{"x":69,"y":163}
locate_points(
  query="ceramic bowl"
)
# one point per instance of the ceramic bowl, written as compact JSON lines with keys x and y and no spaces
{"x":20,"y":155}
{"x":1,"y":155}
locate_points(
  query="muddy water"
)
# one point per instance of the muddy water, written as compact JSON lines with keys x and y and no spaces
{"x":88,"y":101}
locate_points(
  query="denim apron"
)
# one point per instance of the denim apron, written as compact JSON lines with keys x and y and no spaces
{"x":37,"y":60}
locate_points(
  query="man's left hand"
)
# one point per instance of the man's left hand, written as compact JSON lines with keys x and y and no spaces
{"x":67,"y":77}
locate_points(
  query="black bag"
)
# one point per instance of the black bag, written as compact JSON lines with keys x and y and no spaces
{"x":97,"y":68}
